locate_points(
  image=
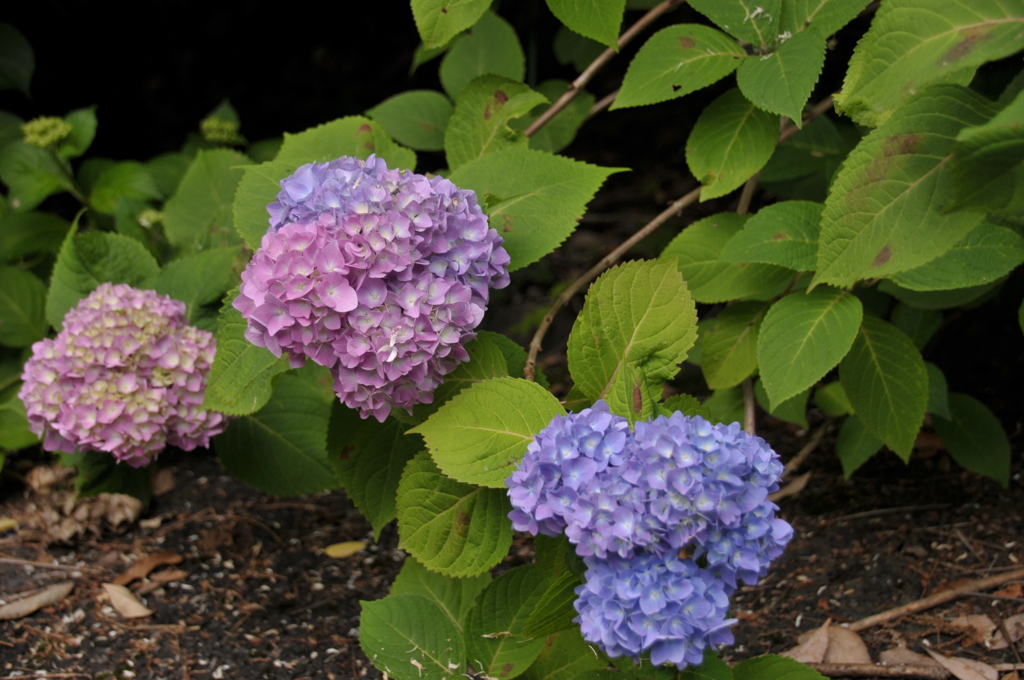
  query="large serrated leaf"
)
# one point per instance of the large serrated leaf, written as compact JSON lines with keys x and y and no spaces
{"x":87,"y":260}
{"x":564,"y":657}
{"x":538,"y":197}
{"x":282,"y":448}
{"x":987,"y":160}
{"x":240,"y":378}
{"x":14,"y":429}
{"x":491,"y":46}
{"x":731,"y":141}
{"x":17,"y":61}
{"x":438,"y":21}
{"x":784,"y":234}
{"x":558,"y":132}
{"x":349,"y":136}
{"x":752,"y":21}
{"x":259,"y":187}
{"x":938,"y":391}
{"x":987,"y":254}
{"x":855,"y":445}
{"x":676,"y":61}
{"x":453,"y":528}
{"x":803,"y":337}
{"x":486,"y":361}
{"x":711,"y":279}
{"x":781,"y":82}
{"x":638,"y":315}
{"x":199,"y":214}
{"x":919,"y":324}
{"x":729,"y":351}
{"x":886,"y":381}
{"x":555,"y":610}
{"x":827,"y":16}
{"x":479,"y":124}
{"x":369,"y":458}
{"x":31,"y":232}
{"x":453,"y":595}
{"x":975,"y":438}
{"x":482,"y":432}
{"x":883,"y":214}
{"x":494,"y":640}
{"x":409,"y":637}
{"x":128,"y":180}
{"x":22,"y":307}
{"x":771,"y":667}
{"x":599,"y":20}
{"x":416,"y":118}
{"x":912,"y":43}
{"x":202,"y":279}
{"x":793,"y":410}
{"x":937,"y":299}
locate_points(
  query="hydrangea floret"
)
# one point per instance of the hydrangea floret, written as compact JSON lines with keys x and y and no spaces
{"x":633,"y":501}
{"x":126,"y":375}
{"x":379,"y":274}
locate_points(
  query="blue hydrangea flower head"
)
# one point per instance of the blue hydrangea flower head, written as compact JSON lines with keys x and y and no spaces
{"x":381,"y":275}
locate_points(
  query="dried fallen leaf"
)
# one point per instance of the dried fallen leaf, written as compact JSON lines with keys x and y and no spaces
{"x":1014,"y":626}
{"x":159,"y":578}
{"x":125,"y":602}
{"x":346,"y":549}
{"x":1012,"y":590}
{"x":812,"y":647}
{"x":845,"y":646}
{"x":163,"y":482}
{"x":901,"y":656}
{"x":979,"y":626}
{"x":966,"y":669}
{"x":7,"y":523}
{"x":791,"y":489}
{"x":142,"y":568}
{"x":37,"y":600}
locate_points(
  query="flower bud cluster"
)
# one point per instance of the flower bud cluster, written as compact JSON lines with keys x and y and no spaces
{"x":45,"y":131}
{"x":632,"y":502}
{"x":381,"y":275}
{"x":126,"y":375}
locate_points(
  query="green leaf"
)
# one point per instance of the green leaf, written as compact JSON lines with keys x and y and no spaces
{"x":725,"y":406}
{"x":781,"y":82}
{"x":676,"y":61}
{"x":599,"y":20}
{"x":986,"y":159}
{"x":540,"y":197}
{"x":987,"y":254}
{"x":890,"y":190}
{"x":14,"y":430}
{"x":421,"y":55}
{"x":731,"y":141}
{"x":638,"y":315}
{"x":167,"y":170}
{"x":282,"y":448}
{"x":368,"y":458}
{"x":479,"y":124}
{"x":265,"y":149}
{"x":198,"y":280}
{"x":697,"y":249}
{"x":453,"y":528}
{"x":804,"y":165}
{"x":129,"y":180}
{"x":803,"y":337}
{"x":975,"y":438}
{"x":686,"y":404}
{"x":259,"y":187}
{"x":555,"y":610}
{"x":22,"y":307}
{"x":515,"y":355}
{"x":793,"y":410}
{"x":564,"y":657}
{"x":87,"y":260}
{"x":240,"y":378}
{"x":912,"y":43}
{"x":416,"y":118}
{"x":832,"y":399}
{"x":486,"y":361}
{"x":17,"y":62}
{"x":453,"y":595}
{"x":855,"y":445}
{"x":785,"y":234}
{"x":99,"y":472}
{"x":482,"y":432}
{"x":409,"y":637}
{"x":349,"y":136}
{"x":938,"y":391}
{"x":827,"y":16}
{"x":199,"y":214}
{"x":753,"y":22}
{"x":937,"y":299}
{"x":10,"y":129}
{"x":559,"y":132}
{"x":83,"y":131}
{"x":771,"y":667}
{"x":573,"y":48}
{"x":711,"y":668}
{"x":886,"y":381}
{"x":494,"y":641}
{"x":438,"y":21}
{"x":490,"y":47}
{"x":729,"y":352}
{"x":31,"y":174}
{"x":919,"y":324}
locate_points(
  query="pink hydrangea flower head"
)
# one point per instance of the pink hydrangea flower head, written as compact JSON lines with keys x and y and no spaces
{"x":380,"y":275}
{"x":127,"y":375}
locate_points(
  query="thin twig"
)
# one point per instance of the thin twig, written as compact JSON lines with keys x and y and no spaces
{"x":815,"y":111}
{"x":596,"y":65}
{"x":871,"y":670}
{"x":601,"y":105}
{"x":747,"y":194}
{"x":607,"y":261}
{"x":47,"y":565}
{"x":796,"y":461}
{"x":892,"y":511}
{"x":749,"y":419}
{"x":936,"y":599}
{"x":993,"y":596}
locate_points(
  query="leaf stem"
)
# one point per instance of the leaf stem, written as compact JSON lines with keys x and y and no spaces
{"x":596,"y":65}
{"x":601,"y":105}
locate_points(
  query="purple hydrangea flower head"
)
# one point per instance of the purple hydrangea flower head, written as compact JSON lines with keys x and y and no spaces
{"x":661,"y":604}
{"x":126,"y":375}
{"x":379,"y":274}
